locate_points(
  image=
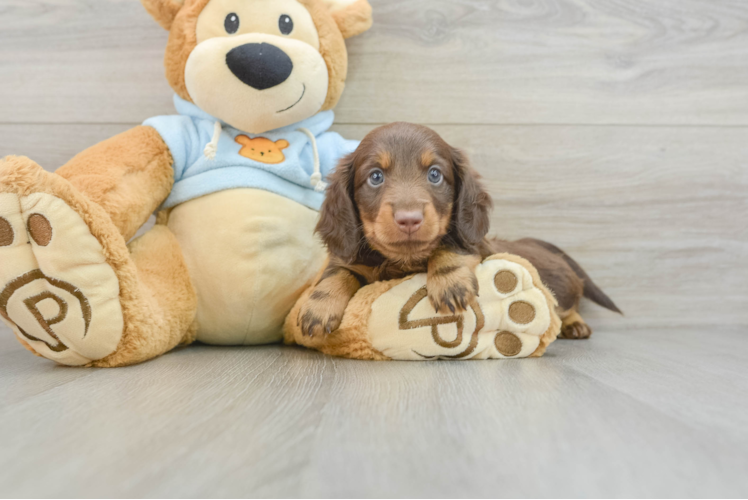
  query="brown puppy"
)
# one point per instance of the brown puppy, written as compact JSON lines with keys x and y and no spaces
{"x":406,"y":202}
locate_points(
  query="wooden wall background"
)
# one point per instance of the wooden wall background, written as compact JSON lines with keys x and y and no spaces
{"x":617,"y":129}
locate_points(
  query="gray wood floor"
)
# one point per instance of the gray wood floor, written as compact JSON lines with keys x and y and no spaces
{"x":627,"y":414}
{"x":617,"y":129}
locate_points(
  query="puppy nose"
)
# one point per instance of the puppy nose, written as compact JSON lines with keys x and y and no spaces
{"x":259,"y":65}
{"x":408,"y":222}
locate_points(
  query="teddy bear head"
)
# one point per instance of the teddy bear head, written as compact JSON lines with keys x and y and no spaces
{"x":259,"y":65}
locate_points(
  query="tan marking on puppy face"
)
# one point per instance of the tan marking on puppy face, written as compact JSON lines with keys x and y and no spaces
{"x":385,"y":237}
{"x":404,"y":154}
{"x":384,"y":159}
{"x":406,"y":210}
{"x":427,"y":158}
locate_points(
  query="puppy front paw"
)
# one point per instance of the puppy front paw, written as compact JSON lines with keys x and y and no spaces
{"x":321,"y":314}
{"x":451,"y":289}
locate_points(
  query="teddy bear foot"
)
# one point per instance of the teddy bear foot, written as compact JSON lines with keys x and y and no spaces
{"x":512,"y":317}
{"x":58,"y":293}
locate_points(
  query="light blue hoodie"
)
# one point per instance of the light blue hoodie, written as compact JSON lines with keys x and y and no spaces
{"x":197,"y":174}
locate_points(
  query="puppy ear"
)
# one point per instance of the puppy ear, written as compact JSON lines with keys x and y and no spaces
{"x":472,"y":208}
{"x":353,"y":17}
{"x":163,"y":11}
{"x":339,"y":224}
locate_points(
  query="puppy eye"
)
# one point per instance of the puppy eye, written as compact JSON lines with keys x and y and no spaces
{"x":435,"y":176}
{"x":231,"y":23}
{"x":285,"y":23}
{"x":376,"y":178}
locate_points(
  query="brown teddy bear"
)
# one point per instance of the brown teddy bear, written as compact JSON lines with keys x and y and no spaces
{"x":233,"y":248}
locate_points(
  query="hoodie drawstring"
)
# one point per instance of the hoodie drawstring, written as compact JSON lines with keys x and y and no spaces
{"x":317,"y":183}
{"x":212,"y":147}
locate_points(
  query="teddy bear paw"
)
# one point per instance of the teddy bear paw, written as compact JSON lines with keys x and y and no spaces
{"x":57,"y":291}
{"x":508,"y":319}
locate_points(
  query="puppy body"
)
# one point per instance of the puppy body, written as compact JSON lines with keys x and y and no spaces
{"x":406,"y":202}
{"x":562,"y":275}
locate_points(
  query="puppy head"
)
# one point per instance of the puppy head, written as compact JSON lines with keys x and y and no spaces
{"x":259,"y":64}
{"x":403,"y":192}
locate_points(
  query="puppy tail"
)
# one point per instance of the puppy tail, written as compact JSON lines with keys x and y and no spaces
{"x":596,"y":295}
{"x":591,"y":290}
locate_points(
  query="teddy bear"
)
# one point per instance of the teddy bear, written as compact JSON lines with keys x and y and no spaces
{"x":236,"y":178}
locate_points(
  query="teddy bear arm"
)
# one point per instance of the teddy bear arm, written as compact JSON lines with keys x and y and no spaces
{"x":128,"y":175}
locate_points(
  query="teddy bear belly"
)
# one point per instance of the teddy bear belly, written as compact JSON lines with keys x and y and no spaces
{"x":250,"y":254}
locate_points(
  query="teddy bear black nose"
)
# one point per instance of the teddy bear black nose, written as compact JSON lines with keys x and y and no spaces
{"x":259,"y":65}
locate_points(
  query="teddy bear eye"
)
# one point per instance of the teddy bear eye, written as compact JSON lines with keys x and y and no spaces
{"x":231,"y":23}
{"x":285,"y":23}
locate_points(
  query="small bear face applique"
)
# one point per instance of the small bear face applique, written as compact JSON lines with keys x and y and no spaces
{"x":262,"y":149}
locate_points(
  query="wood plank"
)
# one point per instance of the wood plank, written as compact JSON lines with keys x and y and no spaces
{"x":704,"y":399}
{"x":586,"y":421}
{"x":432,"y":61}
{"x":658,"y":216}
{"x":51,"y":146}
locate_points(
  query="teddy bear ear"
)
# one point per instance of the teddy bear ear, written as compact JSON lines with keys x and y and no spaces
{"x":353,"y":17}
{"x":282,"y":144}
{"x":163,"y":11}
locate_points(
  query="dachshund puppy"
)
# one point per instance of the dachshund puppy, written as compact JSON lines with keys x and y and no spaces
{"x":406,"y":202}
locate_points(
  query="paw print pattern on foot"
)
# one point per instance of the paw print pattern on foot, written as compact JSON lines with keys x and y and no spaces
{"x":506,"y":320}
{"x":55,"y":282}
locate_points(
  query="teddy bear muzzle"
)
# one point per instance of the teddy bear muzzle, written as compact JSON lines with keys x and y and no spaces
{"x":272,"y":82}
{"x":260,"y":65}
